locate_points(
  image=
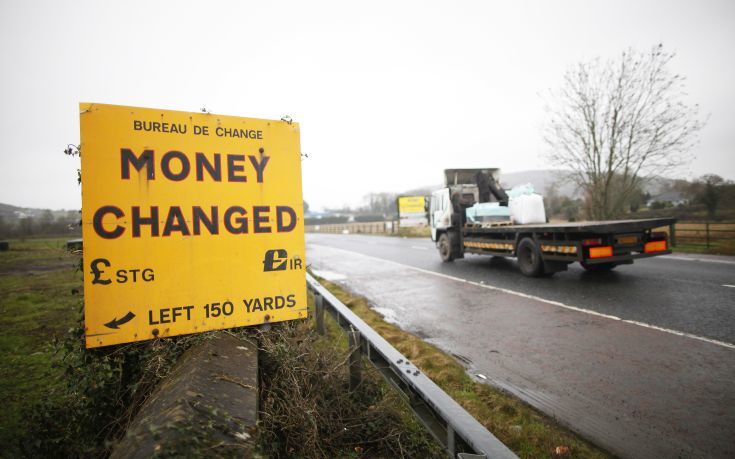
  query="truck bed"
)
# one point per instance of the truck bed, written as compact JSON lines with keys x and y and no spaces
{"x":610,"y":226}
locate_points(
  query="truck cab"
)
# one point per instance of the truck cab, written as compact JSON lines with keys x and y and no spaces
{"x":462,"y":188}
{"x":440,"y":212}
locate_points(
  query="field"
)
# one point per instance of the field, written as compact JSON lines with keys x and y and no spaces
{"x":700,"y":237}
{"x":37,"y":278}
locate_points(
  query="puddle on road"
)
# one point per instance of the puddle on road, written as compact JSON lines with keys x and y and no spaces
{"x":388,"y":315}
{"x":328,"y":275}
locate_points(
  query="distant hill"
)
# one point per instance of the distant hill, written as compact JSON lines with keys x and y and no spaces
{"x":12,"y":214}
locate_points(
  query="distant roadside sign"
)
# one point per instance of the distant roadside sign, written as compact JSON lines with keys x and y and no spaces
{"x":191,"y":222}
{"x":412,"y":211}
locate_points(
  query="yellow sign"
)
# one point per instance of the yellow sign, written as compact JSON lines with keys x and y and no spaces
{"x":411,"y":205}
{"x":191,"y":222}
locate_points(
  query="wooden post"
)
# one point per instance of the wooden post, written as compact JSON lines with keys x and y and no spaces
{"x":706,"y":232}
{"x":319,"y":311}
{"x":353,"y":337}
{"x":672,"y":234}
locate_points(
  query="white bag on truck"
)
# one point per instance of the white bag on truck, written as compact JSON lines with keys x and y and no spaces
{"x":527,"y":209}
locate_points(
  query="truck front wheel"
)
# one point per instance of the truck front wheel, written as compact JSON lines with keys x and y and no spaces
{"x":445,"y":248}
{"x":529,"y":258}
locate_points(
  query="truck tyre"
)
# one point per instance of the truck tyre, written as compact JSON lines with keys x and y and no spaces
{"x":599,"y":267}
{"x":529,"y":258}
{"x":445,"y":248}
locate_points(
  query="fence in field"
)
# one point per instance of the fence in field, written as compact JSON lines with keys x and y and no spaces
{"x":355,"y":228}
{"x":704,"y":234}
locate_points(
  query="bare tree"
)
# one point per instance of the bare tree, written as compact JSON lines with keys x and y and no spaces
{"x":618,"y":123}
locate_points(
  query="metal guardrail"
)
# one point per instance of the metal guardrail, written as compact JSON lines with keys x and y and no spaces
{"x":461,"y":435}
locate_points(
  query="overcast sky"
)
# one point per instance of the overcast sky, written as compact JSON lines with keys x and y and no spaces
{"x":388,"y":94}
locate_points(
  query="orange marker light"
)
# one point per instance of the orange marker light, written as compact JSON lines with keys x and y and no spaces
{"x":601,"y":252}
{"x":655,"y":246}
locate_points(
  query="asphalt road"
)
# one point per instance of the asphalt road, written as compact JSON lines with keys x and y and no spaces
{"x":640,"y":360}
{"x":676,"y":292}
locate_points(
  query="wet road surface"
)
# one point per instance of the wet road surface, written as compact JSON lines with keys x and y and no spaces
{"x":601,"y":369}
{"x":674,"y":292}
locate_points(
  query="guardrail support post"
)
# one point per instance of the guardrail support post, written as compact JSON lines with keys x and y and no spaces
{"x":451,"y":447}
{"x":319,"y":312}
{"x":353,"y":337}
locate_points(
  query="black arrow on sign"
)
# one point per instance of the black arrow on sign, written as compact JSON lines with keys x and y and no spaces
{"x":114,"y":323}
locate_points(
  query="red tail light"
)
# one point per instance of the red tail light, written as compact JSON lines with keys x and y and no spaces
{"x":655,"y":246}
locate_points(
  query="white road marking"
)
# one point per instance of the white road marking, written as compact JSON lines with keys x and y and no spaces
{"x":543,"y":300}
{"x":727,"y":285}
{"x":419,"y":247}
{"x":705,"y":260}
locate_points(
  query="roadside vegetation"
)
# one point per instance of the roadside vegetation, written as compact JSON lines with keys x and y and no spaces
{"x":308,"y":409}
{"x":64,"y":400}
{"x":61,"y":400}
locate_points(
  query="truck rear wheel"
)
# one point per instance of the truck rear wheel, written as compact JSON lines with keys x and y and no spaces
{"x":445,"y":248}
{"x":529,"y":258}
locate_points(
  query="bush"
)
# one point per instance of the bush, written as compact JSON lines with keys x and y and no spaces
{"x":308,"y":410}
{"x":101,"y":392}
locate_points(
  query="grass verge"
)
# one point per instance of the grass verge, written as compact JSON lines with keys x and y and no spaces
{"x":307,"y":408}
{"x":526,"y":431}
{"x":419,"y":232}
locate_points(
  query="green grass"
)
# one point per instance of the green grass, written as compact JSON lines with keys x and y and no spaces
{"x":418,"y":232}
{"x":36,"y":305}
{"x":715,"y":248}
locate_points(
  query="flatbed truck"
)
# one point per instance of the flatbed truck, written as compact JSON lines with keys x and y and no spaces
{"x":541,"y":249}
